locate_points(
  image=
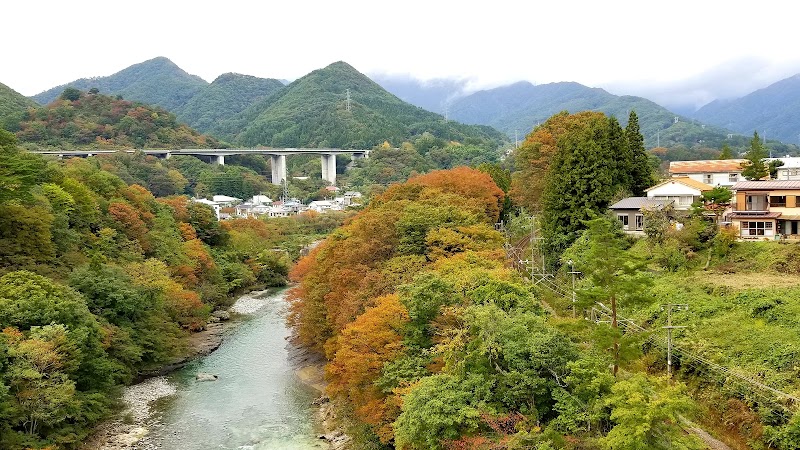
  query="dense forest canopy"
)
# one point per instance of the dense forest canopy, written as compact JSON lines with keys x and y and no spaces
{"x":101,"y":280}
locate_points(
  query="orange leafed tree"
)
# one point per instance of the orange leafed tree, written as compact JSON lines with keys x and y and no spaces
{"x":364,"y":346}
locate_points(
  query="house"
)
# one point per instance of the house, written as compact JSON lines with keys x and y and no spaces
{"x":713,"y":172}
{"x":790,"y":170}
{"x":261,"y":200}
{"x":681,"y":191}
{"x":322,"y":206}
{"x":629,"y":212}
{"x":764,"y":209}
{"x":225,"y":201}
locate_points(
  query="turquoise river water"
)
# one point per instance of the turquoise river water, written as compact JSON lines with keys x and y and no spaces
{"x":257,"y":403}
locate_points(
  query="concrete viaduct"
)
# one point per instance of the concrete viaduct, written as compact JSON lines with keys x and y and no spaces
{"x":277,"y":156}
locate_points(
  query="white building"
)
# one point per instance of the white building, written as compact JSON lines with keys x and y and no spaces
{"x":790,"y":170}
{"x":681,"y":191}
{"x":214,"y":205}
{"x":713,"y":172}
{"x":224,"y":201}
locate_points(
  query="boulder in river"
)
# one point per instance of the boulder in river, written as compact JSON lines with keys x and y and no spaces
{"x":202,"y":376}
{"x":221,"y":315}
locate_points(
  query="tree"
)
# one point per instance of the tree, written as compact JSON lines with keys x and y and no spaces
{"x":642,"y":176}
{"x":755,"y":168}
{"x":615,"y":274}
{"x":71,"y":94}
{"x":726,"y":152}
{"x":580,"y":181}
{"x":717,"y":200}
{"x":773,"y":168}
{"x":646,"y":413}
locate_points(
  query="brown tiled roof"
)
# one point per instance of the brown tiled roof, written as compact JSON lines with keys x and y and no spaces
{"x":753,"y":215}
{"x":766,"y":185}
{"x":685,"y":181}
{"x":706,"y":166}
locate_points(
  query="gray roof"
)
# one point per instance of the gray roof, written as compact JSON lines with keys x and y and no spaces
{"x":766,"y":185}
{"x":639,"y":203}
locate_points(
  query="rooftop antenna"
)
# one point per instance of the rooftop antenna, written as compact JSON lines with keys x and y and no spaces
{"x":347,"y":101}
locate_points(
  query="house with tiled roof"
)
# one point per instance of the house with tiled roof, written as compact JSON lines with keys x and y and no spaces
{"x":682,"y":192}
{"x":765,"y":209}
{"x":713,"y":172}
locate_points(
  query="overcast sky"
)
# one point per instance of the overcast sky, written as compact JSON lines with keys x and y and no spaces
{"x":674,"y":52}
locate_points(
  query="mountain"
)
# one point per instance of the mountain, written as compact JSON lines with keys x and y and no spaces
{"x":432,"y":95}
{"x":224,"y":98}
{"x":157,"y":82}
{"x":338,"y":106}
{"x":518,"y":107}
{"x":12,"y":107}
{"x":81,"y":120}
{"x":774,"y":110}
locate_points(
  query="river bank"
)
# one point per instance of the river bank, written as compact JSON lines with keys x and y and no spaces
{"x":262,"y":399}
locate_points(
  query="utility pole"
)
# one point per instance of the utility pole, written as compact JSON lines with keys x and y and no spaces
{"x":531,"y":263}
{"x":573,"y":272}
{"x":668,"y":307}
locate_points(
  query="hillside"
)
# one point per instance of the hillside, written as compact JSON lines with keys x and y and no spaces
{"x":225,"y":97}
{"x":12,"y":106}
{"x":521,"y":106}
{"x":101,"y":121}
{"x":157,"y":82}
{"x":774,"y":110}
{"x":312,"y":112}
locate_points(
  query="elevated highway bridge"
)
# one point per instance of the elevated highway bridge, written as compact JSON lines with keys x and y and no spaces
{"x":217,"y":155}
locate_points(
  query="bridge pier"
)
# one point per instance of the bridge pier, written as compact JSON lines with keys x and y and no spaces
{"x":278,"y":164}
{"x":329,"y":167}
{"x":219,"y":159}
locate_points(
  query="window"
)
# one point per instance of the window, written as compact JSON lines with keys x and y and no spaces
{"x":756,"y":228}
{"x":777,"y":200}
{"x":639,"y":222}
{"x":708,"y":178}
{"x":623,"y":218}
{"x":733,"y":177}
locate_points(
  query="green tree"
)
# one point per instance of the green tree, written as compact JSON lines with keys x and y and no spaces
{"x":755,"y":168}
{"x":716,"y":200}
{"x":71,"y":94}
{"x":726,"y":152}
{"x":580,"y":181}
{"x":642,"y":176}
{"x":615,"y":274}
{"x":773,"y":168}
{"x":646,"y":413}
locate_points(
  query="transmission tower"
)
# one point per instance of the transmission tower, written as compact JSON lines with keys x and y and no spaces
{"x":347,"y":101}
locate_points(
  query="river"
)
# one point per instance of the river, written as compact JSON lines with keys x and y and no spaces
{"x":258,"y":402}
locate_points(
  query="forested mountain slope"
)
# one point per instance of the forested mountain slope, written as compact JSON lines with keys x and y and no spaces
{"x":224,"y":98}
{"x":79,"y":119}
{"x":521,"y":106}
{"x":314,"y":111}
{"x":158,"y":81}
{"x":773,"y":110}
{"x":12,"y":106}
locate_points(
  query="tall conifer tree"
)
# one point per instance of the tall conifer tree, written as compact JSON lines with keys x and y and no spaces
{"x":641,"y":172}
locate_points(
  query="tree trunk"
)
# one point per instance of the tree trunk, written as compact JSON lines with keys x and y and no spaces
{"x":614,"y":326}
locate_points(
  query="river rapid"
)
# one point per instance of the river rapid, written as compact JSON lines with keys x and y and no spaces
{"x":257,"y":402}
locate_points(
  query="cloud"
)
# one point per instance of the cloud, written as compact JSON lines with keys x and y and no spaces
{"x":731,"y":79}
